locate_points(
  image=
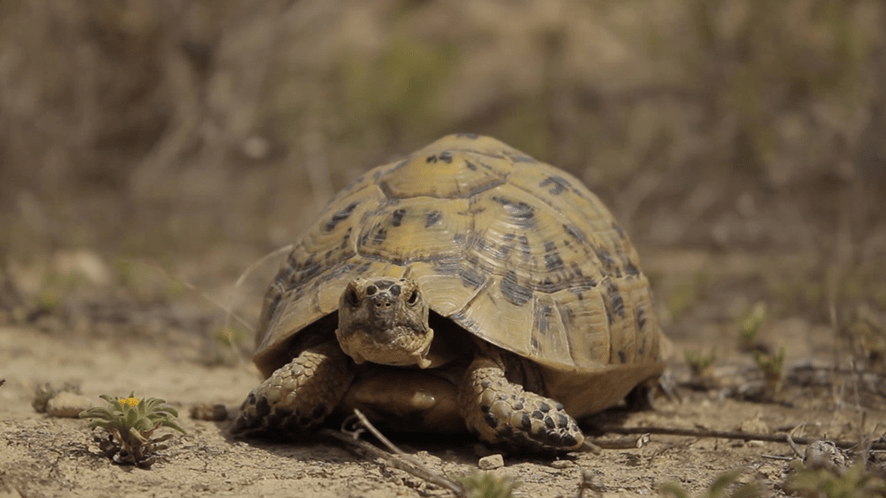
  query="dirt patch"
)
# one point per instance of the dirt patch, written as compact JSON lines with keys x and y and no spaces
{"x":54,"y":457}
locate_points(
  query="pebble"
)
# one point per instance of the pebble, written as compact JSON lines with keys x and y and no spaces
{"x":491,"y":462}
{"x":561,"y":464}
{"x":68,"y":405}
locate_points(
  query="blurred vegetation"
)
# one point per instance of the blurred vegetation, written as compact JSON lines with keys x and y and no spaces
{"x":188,"y":128}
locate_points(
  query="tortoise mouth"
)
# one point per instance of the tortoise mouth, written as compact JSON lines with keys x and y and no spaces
{"x":395,"y":346}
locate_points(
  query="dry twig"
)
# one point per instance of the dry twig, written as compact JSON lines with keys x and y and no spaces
{"x":397,"y":458}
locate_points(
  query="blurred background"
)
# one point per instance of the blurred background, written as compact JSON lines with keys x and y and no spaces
{"x":147,"y":146}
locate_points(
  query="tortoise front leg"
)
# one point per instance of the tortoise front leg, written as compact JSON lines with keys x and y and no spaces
{"x":298,"y":395}
{"x":502,"y":412}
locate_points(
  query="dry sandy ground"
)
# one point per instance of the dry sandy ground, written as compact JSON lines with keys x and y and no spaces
{"x":42,"y":456}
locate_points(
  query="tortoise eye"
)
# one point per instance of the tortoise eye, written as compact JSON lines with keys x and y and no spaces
{"x":413,"y":298}
{"x":351,"y":296}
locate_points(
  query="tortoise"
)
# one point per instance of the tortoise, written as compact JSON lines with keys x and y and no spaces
{"x":467,"y":286}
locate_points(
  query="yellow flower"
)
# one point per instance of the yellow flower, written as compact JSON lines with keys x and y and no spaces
{"x":128,"y":401}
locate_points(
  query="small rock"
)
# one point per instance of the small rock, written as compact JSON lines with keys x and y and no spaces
{"x":209,"y":412}
{"x":561,"y":464}
{"x":68,"y":405}
{"x":84,"y":264}
{"x":491,"y":462}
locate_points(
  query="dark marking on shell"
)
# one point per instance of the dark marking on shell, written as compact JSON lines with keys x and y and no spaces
{"x":631,"y":270}
{"x":471,"y":277}
{"x":446,"y":157}
{"x":575,"y":233}
{"x":619,"y":231}
{"x":641,"y":317}
{"x":447,"y":266}
{"x":431,"y":159}
{"x":433,"y":218}
{"x":622,"y":357}
{"x":514,"y":292}
{"x":397,"y":217}
{"x":543,"y":320}
{"x":522,"y":214}
{"x":558,"y":184}
{"x":553,"y":262}
{"x":524,"y":244}
{"x":471,"y":166}
{"x":380,"y":235}
{"x":605,"y":258}
{"x":340,"y":216}
{"x":305,"y":271}
{"x":618,"y":304}
{"x":498,"y":252}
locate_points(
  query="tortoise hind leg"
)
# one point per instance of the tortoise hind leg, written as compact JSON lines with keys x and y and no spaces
{"x":502,"y":412}
{"x":298,"y":395}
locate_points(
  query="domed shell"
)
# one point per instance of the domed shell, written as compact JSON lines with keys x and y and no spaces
{"x":515,"y":251}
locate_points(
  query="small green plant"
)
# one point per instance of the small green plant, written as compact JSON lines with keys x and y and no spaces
{"x":718,"y":488}
{"x":699,"y":363}
{"x":128,"y":425}
{"x":772,"y":367}
{"x":749,"y":326}
{"x":855,"y":481}
{"x":687,"y":294}
{"x":485,"y":485}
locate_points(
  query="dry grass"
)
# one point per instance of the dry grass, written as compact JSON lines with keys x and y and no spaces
{"x":172,"y":130}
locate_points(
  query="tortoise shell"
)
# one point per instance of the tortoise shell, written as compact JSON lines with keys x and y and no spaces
{"x":513,"y":250}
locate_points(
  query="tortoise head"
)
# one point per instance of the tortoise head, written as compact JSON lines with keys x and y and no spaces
{"x":384,"y":321}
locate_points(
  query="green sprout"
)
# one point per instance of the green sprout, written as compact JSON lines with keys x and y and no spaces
{"x":699,"y":363}
{"x":749,"y":326}
{"x":485,"y":485}
{"x":129,"y":424}
{"x":772,"y":367}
